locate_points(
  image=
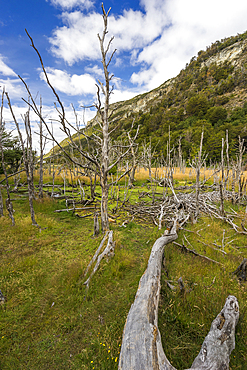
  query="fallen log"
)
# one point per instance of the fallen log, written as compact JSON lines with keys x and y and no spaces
{"x":141,"y":343}
{"x":220,"y":341}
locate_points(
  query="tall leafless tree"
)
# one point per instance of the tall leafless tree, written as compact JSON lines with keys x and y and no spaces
{"x":9,"y":205}
{"x":42,"y":143}
{"x":99,"y":161}
{"x":28,"y":160}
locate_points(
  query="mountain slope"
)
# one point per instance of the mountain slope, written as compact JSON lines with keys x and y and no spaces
{"x":210,"y":93}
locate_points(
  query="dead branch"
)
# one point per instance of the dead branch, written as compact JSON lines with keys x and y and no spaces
{"x":184,"y":248}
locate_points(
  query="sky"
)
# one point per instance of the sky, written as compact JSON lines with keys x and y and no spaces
{"x":154,"y":41}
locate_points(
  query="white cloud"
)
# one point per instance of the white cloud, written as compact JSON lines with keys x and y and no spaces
{"x":193,"y":26}
{"x":160,"y":39}
{"x":5,"y":70}
{"x":95,"y":70}
{"x":69,"y":4}
{"x":50,"y":115}
{"x":120,"y":95}
{"x":70,"y":85}
{"x":78,"y":39}
{"x":13,"y":87}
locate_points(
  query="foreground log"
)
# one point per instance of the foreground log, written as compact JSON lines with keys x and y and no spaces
{"x":141,"y":346}
{"x":220,"y":341}
{"x":141,"y":343}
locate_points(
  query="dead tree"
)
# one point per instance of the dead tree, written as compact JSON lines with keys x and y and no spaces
{"x":197,"y":165}
{"x":134,"y":152}
{"x":1,"y":203}
{"x":148,"y":156}
{"x":28,"y":160}
{"x":9,"y":204}
{"x":141,"y":343}
{"x":41,"y":157}
{"x":221,"y":185}
{"x":98,"y":162}
{"x":241,"y":150}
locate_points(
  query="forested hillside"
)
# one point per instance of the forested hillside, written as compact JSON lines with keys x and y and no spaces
{"x":209,"y":93}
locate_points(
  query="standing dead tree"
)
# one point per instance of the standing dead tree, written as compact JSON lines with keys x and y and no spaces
{"x":97,"y":162}
{"x":9,"y":204}
{"x":28,"y":160}
{"x":197,"y":165}
{"x":42,"y":143}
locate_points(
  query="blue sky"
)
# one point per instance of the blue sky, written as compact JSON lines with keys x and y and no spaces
{"x":154,"y":40}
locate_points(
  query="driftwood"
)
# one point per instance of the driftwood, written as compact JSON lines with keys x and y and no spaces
{"x":141,"y":343}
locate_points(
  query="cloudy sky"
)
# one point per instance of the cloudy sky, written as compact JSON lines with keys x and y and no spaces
{"x":154,"y":40}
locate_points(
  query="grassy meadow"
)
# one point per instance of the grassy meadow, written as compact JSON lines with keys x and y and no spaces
{"x":51,"y":321}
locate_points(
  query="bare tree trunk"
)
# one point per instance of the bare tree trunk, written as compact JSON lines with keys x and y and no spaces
{"x":8,"y":201}
{"x":198,"y":171}
{"x":96,"y":224}
{"x":92,"y":185}
{"x":222,"y":180}
{"x":227,"y":162}
{"x":41,"y":158}
{"x":27,"y":158}
{"x":239,"y":165}
{"x":1,"y":203}
{"x":104,"y":204}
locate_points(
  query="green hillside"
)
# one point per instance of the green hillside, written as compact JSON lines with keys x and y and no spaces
{"x":209,"y":93}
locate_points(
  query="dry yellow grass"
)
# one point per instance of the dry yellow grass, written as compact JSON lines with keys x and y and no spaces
{"x":187,"y":174}
{"x":142,"y":174}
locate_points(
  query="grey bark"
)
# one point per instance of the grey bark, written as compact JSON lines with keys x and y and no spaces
{"x":41,"y":158}
{"x":96,"y":224}
{"x":27,"y":157}
{"x":198,"y":171}
{"x":220,"y":341}
{"x":9,"y":205}
{"x":141,"y":343}
{"x":1,"y":203}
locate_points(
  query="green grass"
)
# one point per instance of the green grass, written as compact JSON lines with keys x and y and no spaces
{"x":50,"y":320}
{"x":185,"y":320}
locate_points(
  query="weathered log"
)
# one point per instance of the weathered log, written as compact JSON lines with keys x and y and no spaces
{"x":141,"y":343}
{"x":220,"y":341}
